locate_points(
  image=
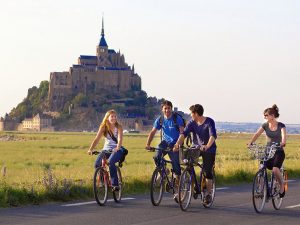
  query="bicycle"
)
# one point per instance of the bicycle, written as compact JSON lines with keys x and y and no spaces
{"x":102,"y":182}
{"x":160,"y":176}
{"x":189,"y":184}
{"x":263,"y":188}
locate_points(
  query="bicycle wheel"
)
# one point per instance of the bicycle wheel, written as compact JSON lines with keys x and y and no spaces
{"x":259,"y":191}
{"x":213,"y":192}
{"x":100,"y":186}
{"x":185,"y":190}
{"x":118,"y":194}
{"x":156,"y":190}
{"x":276,"y":200}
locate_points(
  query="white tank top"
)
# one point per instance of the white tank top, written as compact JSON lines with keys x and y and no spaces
{"x":109,"y":143}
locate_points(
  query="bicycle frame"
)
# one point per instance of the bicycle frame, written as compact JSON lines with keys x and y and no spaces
{"x":160,"y":179}
{"x":102,"y":182}
{"x":106,"y":175}
{"x":269,"y":183}
{"x":198,"y":185}
{"x":163,"y":163}
{"x":190,"y":185}
{"x":268,"y":188}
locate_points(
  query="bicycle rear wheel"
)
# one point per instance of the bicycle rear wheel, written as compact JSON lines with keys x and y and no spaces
{"x":100,"y":186}
{"x":156,"y":190}
{"x":118,"y":194}
{"x":259,"y":191}
{"x":276,"y":200}
{"x":213,"y":192}
{"x":185,"y":190}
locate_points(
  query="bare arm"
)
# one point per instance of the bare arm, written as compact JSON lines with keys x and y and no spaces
{"x":256,"y":135}
{"x":283,"y":135}
{"x":150,"y":137}
{"x":211,"y":140}
{"x":120,"y":138}
{"x":96,"y":140}
{"x":179,"y":142}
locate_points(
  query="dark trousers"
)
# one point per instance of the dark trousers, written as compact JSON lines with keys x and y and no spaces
{"x":174,"y":156}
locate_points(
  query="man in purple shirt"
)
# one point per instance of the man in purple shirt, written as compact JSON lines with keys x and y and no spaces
{"x":204,"y":136}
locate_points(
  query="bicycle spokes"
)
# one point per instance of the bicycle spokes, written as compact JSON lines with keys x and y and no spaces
{"x":156,"y":190}
{"x":259,"y":191}
{"x":185,"y":190}
{"x":276,"y":200}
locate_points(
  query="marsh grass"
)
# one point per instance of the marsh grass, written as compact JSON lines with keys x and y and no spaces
{"x":39,"y":167}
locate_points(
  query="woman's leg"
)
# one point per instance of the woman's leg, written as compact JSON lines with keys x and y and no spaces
{"x":99,"y":159}
{"x":114,"y":157}
{"x":278,"y":161}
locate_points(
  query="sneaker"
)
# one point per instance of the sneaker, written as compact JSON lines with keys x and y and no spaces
{"x":207,"y":199}
{"x":175,"y":197}
{"x":115,"y":188}
{"x":281,"y":195}
{"x":176,"y":186}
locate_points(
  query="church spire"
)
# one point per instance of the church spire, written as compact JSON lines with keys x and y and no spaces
{"x":102,"y":42}
{"x":102,"y":30}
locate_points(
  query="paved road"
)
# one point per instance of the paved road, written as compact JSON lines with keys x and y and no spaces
{"x":232,"y":206}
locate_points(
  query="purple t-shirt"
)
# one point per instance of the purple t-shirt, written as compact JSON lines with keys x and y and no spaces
{"x":202,"y":133}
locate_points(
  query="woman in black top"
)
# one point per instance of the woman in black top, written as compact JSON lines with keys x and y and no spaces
{"x":276,"y":133}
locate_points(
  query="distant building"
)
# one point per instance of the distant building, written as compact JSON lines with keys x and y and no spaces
{"x":7,"y":124}
{"x":106,"y":71}
{"x":37,"y":123}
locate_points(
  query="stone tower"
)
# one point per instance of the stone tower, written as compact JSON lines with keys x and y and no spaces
{"x":105,"y":72}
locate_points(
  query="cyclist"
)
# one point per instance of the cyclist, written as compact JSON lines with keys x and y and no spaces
{"x":204,"y":136}
{"x":112,"y":131}
{"x":172,"y":125}
{"x":276,"y":133}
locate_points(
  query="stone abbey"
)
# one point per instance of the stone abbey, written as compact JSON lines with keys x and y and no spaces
{"x":105,"y":72}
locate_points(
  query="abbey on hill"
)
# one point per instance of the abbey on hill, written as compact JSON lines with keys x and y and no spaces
{"x":77,"y":99}
{"x":105,"y":72}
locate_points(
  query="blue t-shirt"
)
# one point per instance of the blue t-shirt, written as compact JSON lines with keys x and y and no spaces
{"x":170,"y":132}
{"x":202,"y":133}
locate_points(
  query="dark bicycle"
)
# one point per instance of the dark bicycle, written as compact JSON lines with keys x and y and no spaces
{"x":162,"y":179}
{"x":102,"y":182}
{"x":189,"y":184}
{"x":264,"y":188}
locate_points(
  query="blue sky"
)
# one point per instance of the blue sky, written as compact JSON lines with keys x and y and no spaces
{"x":234,"y":57}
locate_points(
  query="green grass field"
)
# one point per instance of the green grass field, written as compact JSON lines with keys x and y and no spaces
{"x":39,"y":167}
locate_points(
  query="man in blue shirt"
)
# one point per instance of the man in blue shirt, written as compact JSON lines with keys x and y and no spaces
{"x":204,"y":136}
{"x":172,"y":125}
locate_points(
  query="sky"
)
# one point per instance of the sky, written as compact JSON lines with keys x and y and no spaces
{"x":234,"y":57}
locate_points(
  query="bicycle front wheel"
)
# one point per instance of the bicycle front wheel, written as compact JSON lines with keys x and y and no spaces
{"x":276,"y":200}
{"x":259,"y":191}
{"x":100,"y":186}
{"x":117,"y":194}
{"x":185,"y":190}
{"x":156,"y":190}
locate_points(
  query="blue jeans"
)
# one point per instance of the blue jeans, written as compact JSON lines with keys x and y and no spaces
{"x":112,"y":157}
{"x":174,"y":156}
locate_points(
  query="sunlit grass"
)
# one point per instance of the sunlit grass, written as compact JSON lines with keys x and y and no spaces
{"x":55,"y":166}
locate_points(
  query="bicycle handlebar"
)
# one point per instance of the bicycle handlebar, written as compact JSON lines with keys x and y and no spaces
{"x":153,"y":149}
{"x":191,"y":148}
{"x":98,"y":152}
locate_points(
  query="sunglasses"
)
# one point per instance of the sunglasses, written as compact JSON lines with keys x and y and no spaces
{"x":266,"y":115}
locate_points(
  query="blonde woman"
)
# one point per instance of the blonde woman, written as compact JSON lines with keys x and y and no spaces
{"x":112,"y":132}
